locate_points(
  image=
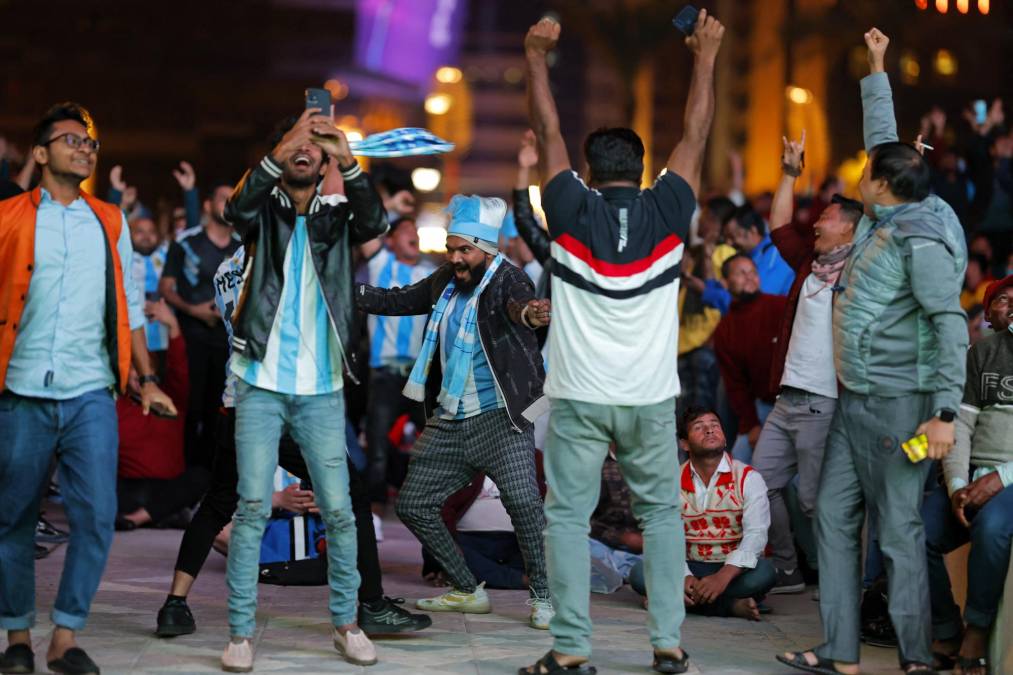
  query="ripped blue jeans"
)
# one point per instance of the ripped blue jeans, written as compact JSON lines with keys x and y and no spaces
{"x":317,"y":424}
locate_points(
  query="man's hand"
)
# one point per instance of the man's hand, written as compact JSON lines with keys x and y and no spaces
{"x":877,"y":44}
{"x":754,"y":435}
{"x":542,"y":37}
{"x":206,"y":312}
{"x":332,"y":140}
{"x":293,"y":498}
{"x":709,"y":588}
{"x":958,"y":500}
{"x":527,"y":156}
{"x":538,"y":313}
{"x":983,"y":489}
{"x":689,"y":591}
{"x":794,"y":154}
{"x":401,"y":202}
{"x":299,"y":135}
{"x":151,"y":395}
{"x":116,"y":178}
{"x":160,"y":311}
{"x":706,"y":38}
{"x":940,"y":435}
{"x":185,"y":176}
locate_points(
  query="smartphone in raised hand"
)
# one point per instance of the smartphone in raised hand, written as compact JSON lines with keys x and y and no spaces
{"x":685,"y":20}
{"x":320,"y":99}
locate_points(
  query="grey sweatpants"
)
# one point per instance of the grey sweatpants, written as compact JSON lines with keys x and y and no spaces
{"x":792,"y":442}
{"x":864,"y":467}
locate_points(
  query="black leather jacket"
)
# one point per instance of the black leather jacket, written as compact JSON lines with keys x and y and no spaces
{"x":264,"y":216}
{"x":536,"y":238}
{"x":510,"y":347}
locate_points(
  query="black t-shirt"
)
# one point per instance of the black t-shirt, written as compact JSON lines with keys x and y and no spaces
{"x":192,"y":261}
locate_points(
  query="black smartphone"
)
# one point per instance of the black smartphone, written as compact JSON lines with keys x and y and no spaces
{"x":685,"y":20}
{"x":320,"y":99}
{"x":158,"y":410}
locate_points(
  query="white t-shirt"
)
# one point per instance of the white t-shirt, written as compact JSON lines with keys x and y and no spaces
{"x":809,"y":364}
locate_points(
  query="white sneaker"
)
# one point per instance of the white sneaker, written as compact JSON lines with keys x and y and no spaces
{"x":355,"y":647}
{"x":378,"y":528}
{"x":541,"y":613}
{"x":238,"y":656}
{"x":456,"y":601}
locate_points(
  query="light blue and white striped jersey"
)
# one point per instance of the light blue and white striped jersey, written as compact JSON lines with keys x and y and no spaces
{"x":395,"y":340}
{"x":228,"y":287}
{"x":480,"y":391}
{"x":147,"y":270}
{"x":303,"y":355}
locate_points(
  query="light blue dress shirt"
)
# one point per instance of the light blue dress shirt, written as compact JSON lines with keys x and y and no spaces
{"x":60,"y":351}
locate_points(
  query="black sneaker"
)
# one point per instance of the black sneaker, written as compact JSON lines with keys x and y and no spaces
{"x":175,"y":619}
{"x":47,"y":533}
{"x":387,"y":616}
{"x":18,"y":659}
{"x":41,"y":551}
{"x":788,"y":582}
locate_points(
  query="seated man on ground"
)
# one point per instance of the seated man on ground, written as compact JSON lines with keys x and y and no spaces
{"x":616,"y":541}
{"x":153,"y":484}
{"x":726,"y":515}
{"x":978,"y":511}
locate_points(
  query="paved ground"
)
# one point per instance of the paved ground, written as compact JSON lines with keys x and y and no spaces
{"x":293,"y":624}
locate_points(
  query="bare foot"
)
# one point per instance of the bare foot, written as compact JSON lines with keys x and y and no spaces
{"x":974,"y":646}
{"x":671,"y":653}
{"x":62,"y":640}
{"x":565,"y":660}
{"x":745,"y":608}
{"x":813,"y":660}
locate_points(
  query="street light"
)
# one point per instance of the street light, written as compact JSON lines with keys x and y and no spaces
{"x":426,"y":179}
{"x":799,"y":95}
{"x":448,"y":75}
{"x":438,"y":104}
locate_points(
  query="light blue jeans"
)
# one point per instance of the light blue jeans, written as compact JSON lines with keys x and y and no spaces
{"x":317,"y":424}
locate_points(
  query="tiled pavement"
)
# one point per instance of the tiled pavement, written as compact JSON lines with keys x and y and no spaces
{"x":293,"y":626}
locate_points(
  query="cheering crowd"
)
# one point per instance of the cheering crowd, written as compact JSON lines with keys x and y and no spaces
{"x":659,"y":385}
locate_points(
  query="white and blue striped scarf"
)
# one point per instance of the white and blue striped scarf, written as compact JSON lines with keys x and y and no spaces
{"x":461,"y":357}
{"x":402,"y":142}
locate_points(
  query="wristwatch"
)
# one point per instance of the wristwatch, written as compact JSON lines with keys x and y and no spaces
{"x":145,"y":379}
{"x":946,"y":415}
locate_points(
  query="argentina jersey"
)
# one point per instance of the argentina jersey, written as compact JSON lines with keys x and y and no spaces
{"x":147,"y":270}
{"x":395,"y":340}
{"x":303,"y":355}
{"x":228,"y":288}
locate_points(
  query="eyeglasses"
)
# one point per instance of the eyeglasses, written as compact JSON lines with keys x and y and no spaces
{"x":75,"y":141}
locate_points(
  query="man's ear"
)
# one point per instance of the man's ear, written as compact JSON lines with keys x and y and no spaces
{"x":683,"y":445}
{"x":41,"y":154}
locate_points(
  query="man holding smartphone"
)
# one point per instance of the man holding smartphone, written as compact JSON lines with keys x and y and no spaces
{"x":900,"y":342}
{"x":290,"y":331}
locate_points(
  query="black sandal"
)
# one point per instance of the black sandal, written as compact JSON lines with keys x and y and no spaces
{"x":548,"y":664}
{"x":670,"y":664}
{"x":18,"y":658}
{"x":943,"y":662}
{"x":74,"y":662}
{"x":970,"y":664}
{"x":919,"y":669}
{"x":823,"y":666}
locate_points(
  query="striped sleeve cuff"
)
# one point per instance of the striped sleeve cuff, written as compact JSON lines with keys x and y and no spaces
{"x":270,"y":166}
{"x":352,"y":173}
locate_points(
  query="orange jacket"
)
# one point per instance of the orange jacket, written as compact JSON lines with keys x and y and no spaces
{"x":17,"y":259}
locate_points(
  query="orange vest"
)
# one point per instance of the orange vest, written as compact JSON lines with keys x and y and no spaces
{"x":17,"y":260}
{"x":716,"y":530}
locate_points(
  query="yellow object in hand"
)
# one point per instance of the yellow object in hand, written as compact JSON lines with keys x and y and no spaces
{"x":916,"y":448}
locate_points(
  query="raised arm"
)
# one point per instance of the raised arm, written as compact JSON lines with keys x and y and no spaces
{"x":187,"y":179}
{"x":782,"y":207}
{"x":531,"y":232}
{"x":879,"y":123}
{"x":686,"y":160}
{"x":544,"y":118}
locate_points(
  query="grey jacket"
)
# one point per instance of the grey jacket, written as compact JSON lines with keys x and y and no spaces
{"x":898,"y":325}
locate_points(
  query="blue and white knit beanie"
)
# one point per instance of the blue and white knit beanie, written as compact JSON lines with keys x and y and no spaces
{"x":477,"y":219}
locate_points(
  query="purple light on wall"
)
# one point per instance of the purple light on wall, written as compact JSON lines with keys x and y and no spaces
{"x":408,"y":39}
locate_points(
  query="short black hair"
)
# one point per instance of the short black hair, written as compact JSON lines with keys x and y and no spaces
{"x":690,"y":415}
{"x":398,"y":222}
{"x":723,"y":208}
{"x":748,"y":219}
{"x":614,"y":154}
{"x":980,"y":259}
{"x":903,"y":168}
{"x":852,"y":209}
{"x":68,"y":110}
{"x":726,"y":265}
{"x":391,"y":179}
